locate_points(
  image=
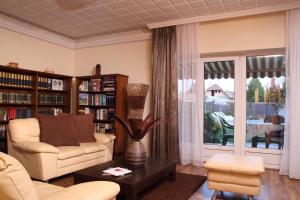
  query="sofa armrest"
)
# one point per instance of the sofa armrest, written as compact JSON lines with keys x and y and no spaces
{"x":104,"y":138}
{"x":96,"y":190}
{"x":36,"y":147}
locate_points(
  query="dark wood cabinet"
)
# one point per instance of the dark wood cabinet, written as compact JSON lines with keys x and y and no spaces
{"x":105,"y":96}
{"x":25,"y":93}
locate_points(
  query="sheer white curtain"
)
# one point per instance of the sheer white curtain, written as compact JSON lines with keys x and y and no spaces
{"x":189,"y":96}
{"x":290,"y":163}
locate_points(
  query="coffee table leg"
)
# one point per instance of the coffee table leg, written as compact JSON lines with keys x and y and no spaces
{"x":172,"y":174}
{"x":131,"y":194}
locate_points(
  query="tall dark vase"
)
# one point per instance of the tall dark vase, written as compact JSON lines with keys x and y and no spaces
{"x":136,"y":126}
{"x":135,"y":154}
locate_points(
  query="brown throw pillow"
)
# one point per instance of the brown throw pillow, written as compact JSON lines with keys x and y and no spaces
{"x":84,"y":125}
{"x":58,"y":130}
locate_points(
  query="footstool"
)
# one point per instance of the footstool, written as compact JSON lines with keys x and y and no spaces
{"x":234,"y":173}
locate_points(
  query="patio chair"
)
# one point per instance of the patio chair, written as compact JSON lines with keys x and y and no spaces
{"x":275,"y":137}
{"x":225,"y":127}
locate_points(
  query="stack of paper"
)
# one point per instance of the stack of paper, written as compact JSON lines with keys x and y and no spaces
{"x":117,"y":171}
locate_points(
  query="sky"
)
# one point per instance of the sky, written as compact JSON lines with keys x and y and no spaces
{"x":228,"y":84}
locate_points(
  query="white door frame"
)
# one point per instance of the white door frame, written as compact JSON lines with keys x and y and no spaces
{"x":272,"y":157}
{"x":208,"y":150}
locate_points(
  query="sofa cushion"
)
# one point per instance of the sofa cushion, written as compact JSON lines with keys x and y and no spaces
{"x":92,"y":147}
{"x":15,"y":182}
{"x":45,"y":189}
{"x":90,"y":190}
{"x":24,"y":130}
{"x":66,"y":152}
{"x":84,"y":125}
{"x":36,"y":147}
{"x":250,"y":165}
{"x":58,"y":130}
{"x":233,"y":178}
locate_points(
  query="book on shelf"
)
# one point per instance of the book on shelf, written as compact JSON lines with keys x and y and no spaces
{"x":44,"y":83}
{"x":15,"y":80}
{"x":14,"y":113}
{"x":108,"y":89}
{"x":105,"y":128}
{"x":93,"y":85}
{"x":50,"y":84}
{"x":83,"y":99}
{"x":96,"y":85}
{"x":96,"y":99}
{"x":50,"y":111}
{"x":45,"y":99}
{"x":15,"y":97}
{"x":100,"y":114}
{"x":84,"y":110}
{"x":105,"y":114}
{"x":108,"y":84}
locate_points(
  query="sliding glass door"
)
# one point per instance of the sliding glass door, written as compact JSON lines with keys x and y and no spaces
{"x":265,"y":101}
{"x":244,"y":106}
{"x":218,"y":105}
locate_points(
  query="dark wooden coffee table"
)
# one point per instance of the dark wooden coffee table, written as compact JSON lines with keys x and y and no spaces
{"x":131,"y":184}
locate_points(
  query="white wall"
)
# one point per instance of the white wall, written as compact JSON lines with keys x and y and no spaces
{"x":247,"y":33}
{"x":132,"y":59}
{"x":34,"y":54}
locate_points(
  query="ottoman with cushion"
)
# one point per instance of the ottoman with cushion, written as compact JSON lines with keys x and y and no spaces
{"x":235,"y":173}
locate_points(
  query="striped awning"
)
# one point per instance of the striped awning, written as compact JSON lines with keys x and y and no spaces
{"x":219,"y":69}
{"x":257,"y":66}
{"x":265,"y":66}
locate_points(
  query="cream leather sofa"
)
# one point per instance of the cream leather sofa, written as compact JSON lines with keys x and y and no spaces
{"x":15,"y":184}
{"x":43,"y":161}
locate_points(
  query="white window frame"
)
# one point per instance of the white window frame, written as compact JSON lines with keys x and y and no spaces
{"x":272,"y":157}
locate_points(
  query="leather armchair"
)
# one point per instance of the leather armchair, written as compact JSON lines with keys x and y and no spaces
{"x":44,"y":161}
{"x":15,"y":184}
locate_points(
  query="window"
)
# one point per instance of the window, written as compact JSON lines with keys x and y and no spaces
{"x":219,"y":103}
{"x":266,"y":88}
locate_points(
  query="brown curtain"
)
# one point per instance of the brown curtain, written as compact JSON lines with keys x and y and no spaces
{"x":164,"y":94}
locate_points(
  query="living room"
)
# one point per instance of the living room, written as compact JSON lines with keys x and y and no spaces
{"x":201,"y":87}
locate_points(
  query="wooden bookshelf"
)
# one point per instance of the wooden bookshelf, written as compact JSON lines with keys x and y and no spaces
{"x":15,"y":81}
{"x":91,"y":99}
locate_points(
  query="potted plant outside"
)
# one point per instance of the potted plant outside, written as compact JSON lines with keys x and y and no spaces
{"x":277,"y":100}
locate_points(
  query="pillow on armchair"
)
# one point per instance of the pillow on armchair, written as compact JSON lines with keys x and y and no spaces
{"x":84,"y":125}
{"x":58,"y":130}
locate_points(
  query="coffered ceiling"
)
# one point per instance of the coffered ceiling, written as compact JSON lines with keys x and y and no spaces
{"x":79,"y":19}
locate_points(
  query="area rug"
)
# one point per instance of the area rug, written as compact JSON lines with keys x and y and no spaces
{"x":181,"y":189}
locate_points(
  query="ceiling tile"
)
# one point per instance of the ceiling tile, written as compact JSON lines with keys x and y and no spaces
{"x":177,"y":1}
{"x":97,"y":17}
{"x":149,"y":6}
{"x":162,"y":3}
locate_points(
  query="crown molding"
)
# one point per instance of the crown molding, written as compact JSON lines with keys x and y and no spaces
{"x":34,"y":31}
{"x":130,"y":36}
{"x":18,"y":26}
{"x":255,"y":11}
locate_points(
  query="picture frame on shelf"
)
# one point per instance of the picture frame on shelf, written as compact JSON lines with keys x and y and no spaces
{"x":57,"y":84}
